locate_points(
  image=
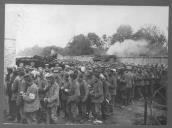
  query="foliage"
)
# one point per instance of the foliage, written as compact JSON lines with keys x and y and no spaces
{"x":123,"y":32}
{"x":151,"y":33}
{"x":95,"y":40}
{"x":93,"y":44}
{"x":80,"y":45}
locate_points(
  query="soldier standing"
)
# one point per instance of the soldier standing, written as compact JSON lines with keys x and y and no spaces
{"x":73,"y":98}
{"x":83,"y":96}
{"x":16,"y":95}
{"x":129,"y":84}
{"x":31,"y":101}
{"x":97,"y":98}
{"x":113,"y":86}
{"x":51,"y":99}
{"x":106,"y":107}
{"x":42,"y":84}
{"x":64,"y":93}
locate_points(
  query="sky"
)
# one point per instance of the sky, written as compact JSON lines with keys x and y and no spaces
{"x":46,"y":25}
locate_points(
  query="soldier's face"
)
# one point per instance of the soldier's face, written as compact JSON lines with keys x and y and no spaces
{"x":49,"y":80}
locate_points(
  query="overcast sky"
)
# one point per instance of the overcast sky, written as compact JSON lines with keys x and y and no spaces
{"x":56,"y":24}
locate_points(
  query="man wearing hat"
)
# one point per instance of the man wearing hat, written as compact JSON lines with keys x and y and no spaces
{"x":64,"y":93}
{"x":57,"y":72}
{"x":51,"y":99}
{"x":129,"y":78}
{"x":97,"y":97}
{"x":106,"y":107}
{"x":112,"y":78}
{"x":31,"y":100}
{"x":83,"y":96}
{"x":47,"y":68}
{"x":42,"y":84}
{"x":16,"y":94}
{"x":73,"y":98}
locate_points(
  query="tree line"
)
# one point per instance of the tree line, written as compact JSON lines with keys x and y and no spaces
{"x":93,"y":44}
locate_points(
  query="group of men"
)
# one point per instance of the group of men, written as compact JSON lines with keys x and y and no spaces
{"x":81,"y":92}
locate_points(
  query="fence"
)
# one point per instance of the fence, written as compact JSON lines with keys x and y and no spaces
{"x":129,"y":60}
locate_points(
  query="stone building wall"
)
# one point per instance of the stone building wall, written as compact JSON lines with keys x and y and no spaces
{"x":9,"y":54}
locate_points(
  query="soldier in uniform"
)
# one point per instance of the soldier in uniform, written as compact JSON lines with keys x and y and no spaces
{"x":122,"y":86}
{"x":73,"y":98}
{"x":106,"y":107}
{"x":47,"y":69}
{"x":31,"y":101}
{"x":83,"y":96}
{"x":112,"y":78}
{"x":51,"y":99}
{"x":97,"y":97}
{"x":139,"y":83}
{"x":129,"y":84}
{"x":42,"y":84}
{"x":90,"y":81}
{"x":64,"y":93}
{"x":16,"y":95}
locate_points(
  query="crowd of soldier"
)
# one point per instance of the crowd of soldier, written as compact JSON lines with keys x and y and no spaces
{"x":81,"y":93}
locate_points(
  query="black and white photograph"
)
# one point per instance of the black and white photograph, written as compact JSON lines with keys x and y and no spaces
{"x":85,"y":64}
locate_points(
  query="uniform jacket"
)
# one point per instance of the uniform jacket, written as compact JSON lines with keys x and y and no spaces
{"x":42,"y":83}
{"x":129,"y":80}
{"x":84,"y":90}
{"x":74,"y":91}
{"x":53,"y":95}
{"x":113,"y":84}
{"x":106,"y":90}
{"x":97,"y":95}
{"x":63,"y":94}
{"x":31,"y":104}
{"x":16,"y":88}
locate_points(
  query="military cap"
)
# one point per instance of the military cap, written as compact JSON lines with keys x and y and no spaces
{"x":26,"y":76}
{"x":83,"y":69}
{"x":49,"y":75}
{"x":47,"y":70}
{"x":114,"y":70}
{"x":31,"y":69}
{"x":55,"y":71}
{"x":20,"y":69}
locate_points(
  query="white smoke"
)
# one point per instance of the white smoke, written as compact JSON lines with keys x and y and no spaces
{"x":129,"y":48}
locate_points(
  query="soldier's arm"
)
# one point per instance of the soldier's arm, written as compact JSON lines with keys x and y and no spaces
{"x":22,"y":86}
{"x":55,"y":96}
{"x":31,"y":96}
{"x":15,"y":85}
{"x":41,"y":86}
{"x":77,"y":93}
{"x":86,"y":91}
{"x":100,"y":90}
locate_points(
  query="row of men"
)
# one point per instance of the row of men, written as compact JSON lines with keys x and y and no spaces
{"x":40,"y":94}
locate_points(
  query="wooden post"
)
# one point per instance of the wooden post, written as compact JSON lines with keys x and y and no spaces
{"x":145,"y":112}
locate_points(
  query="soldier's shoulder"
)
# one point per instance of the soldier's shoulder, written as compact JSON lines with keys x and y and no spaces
{"x":34,"y":86}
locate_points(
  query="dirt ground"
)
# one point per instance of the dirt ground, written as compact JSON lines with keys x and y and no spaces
{"x":132,"y":114}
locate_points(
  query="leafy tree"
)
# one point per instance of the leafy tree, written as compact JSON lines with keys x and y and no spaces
{"x":123,"y":32}
{"x":152,"y":34}
{"x":80,"y":45}
{"x":95,"y":40}
{"x":155,"y":36}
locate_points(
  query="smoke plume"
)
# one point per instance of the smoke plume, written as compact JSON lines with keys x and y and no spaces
{"x":129,"y":48}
